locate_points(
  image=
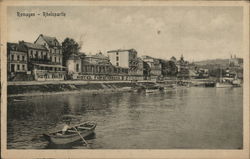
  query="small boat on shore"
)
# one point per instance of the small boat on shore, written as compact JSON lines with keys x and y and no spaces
{"x":19,"y":100}
{"x":223,"y":85}
{"x":70,"y":136}
{"x":236,"y":83}
{"x":209,"y":84}
{"x":151,"y":90}
{"x":223,"y":82}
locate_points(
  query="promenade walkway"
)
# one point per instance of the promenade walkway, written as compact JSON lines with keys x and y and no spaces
{"x":10,"y":83}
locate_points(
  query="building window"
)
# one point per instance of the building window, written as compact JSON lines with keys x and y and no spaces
{"x":18,"y":57}
{"x":117,"y":53}
{"x":23,"y":67}
{"x":77,"y":67}
{"x":117,"y":58}
{"x":31,"y":54}
{"x":12,"y":57}
{"x":117,"y":64}
{"x":36,"y":54}
{"x":23,"y":58}
{"x":12,"y":67}
{"x":55,"y":59}
{"x":18,"y":67}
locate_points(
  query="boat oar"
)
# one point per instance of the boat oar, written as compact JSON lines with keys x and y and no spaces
{"x":82,"y":137}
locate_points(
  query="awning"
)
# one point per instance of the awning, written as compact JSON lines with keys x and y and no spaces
{"x":44,"y":65}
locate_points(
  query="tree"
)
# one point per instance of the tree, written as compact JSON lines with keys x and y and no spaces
{"x":217,"y":72}
{"x":173,"y":59}
{"x":69,"y":47}
{"x":168,"y":68}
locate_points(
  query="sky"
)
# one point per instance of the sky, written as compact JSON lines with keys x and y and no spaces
{"x":197,"y":32}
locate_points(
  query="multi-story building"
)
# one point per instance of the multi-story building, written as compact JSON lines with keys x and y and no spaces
{"x":53,"y":46}
{"x":155,"y":66}
{"x":40,"y":63}
{"x":35,"y":53}
{"x":143,"y":70}
{"x":17,"y":58}
{"x":235,"y":61}
{"x":128,"y":59}
{"x":123,"y":58}
{"x":96,"y":64}
{"x":183,"y":68}
{"x":94,"y":67}
{"x":74,"y":63}
{"x":17,"y":63}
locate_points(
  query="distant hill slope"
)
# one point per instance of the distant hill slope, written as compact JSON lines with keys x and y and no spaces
{"x":222,"y":62}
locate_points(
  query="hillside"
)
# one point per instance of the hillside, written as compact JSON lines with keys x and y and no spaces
{"x":221,"y":62}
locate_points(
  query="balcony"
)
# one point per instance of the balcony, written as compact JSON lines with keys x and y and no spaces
{"x":49,"y":71}
{"x":17,"y":61}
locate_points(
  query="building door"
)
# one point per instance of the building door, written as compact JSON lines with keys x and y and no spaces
{"x":12,"y":68}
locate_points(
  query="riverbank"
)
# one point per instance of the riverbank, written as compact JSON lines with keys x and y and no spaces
{"x":34,"y":88}
{"x":65,"y":88}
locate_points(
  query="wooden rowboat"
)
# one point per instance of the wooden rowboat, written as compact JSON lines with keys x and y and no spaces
{"x":70,"y":136}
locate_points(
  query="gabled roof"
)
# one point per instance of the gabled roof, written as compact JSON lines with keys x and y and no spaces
{"x":15,"y":47}
{"x":122,"y":50}
{"x":74,"y":57}
{"x":33,"y":46}
{"x":12,"y":46}
{"x":146,"y":57}
{"x":51,"y":41}
{"x":100,"y":56}
{"x":97,"y":56}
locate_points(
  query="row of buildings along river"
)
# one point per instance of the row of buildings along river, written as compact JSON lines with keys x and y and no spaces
{"x":42,"y":60}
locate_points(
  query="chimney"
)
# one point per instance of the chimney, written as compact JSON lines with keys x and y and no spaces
{"x":21,"y":42}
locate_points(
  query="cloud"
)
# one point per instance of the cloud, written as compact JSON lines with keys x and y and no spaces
{"x":205,"y":31}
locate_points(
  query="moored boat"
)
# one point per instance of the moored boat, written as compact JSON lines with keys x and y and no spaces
{"x":70,"y":136}
{"x":151,"y":90}
{"x":19,"y":100}
{"x":236,"y":83}
{"x":223,"y":85}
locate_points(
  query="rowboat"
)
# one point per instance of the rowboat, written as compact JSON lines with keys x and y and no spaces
{"x":71,"y":135}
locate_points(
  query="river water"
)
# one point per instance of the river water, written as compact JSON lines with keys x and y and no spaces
{"x":190,"y":118}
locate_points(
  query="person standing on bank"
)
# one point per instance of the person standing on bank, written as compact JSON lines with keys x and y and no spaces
{"x":66,"y":126}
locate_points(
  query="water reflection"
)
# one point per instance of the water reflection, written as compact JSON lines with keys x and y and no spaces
{"x":180,"y":118}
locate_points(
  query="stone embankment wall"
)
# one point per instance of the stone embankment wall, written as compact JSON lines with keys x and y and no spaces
{"x":66,"y":87}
